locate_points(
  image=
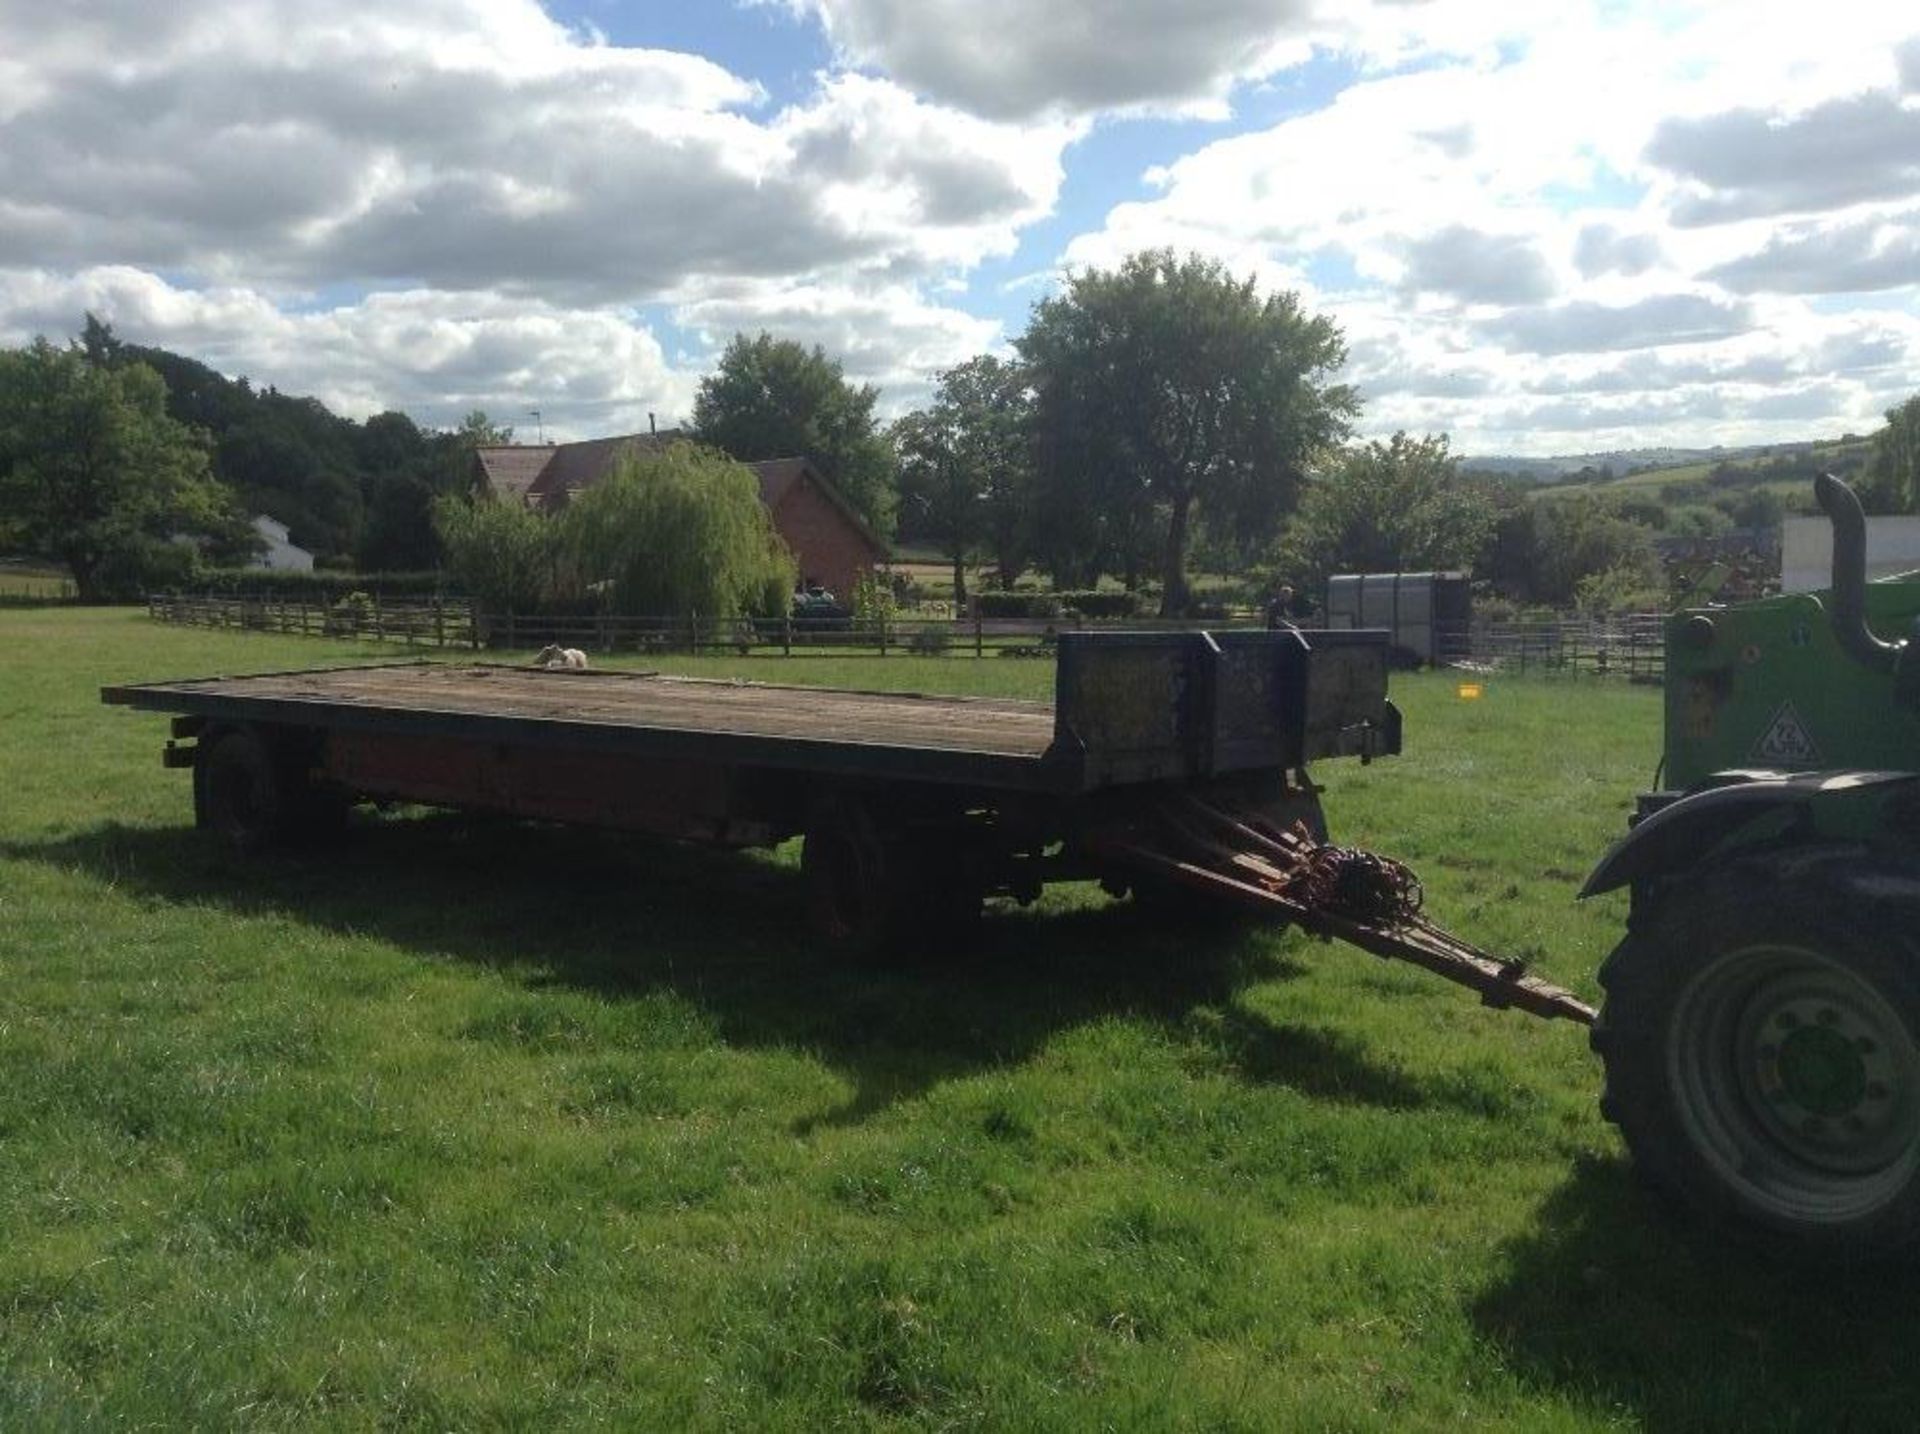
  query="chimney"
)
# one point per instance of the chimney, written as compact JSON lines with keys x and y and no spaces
{"x":652,"y":427}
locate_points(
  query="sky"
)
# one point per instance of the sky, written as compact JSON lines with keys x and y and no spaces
{"x":1542,"y":227}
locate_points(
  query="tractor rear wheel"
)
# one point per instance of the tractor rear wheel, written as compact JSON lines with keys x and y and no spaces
{"x":1762,"y":1050}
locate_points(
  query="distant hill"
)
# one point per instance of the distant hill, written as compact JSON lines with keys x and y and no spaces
{"x":1786,"y":468}
{"x":1618,"y":462}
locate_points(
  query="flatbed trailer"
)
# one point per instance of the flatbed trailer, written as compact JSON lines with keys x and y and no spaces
{"x":1169,"y":766}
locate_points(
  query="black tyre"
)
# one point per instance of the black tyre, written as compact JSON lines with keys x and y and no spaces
{"x":1762,"y":1045}
{"x":243,"y":797}
{"x":873,"y":890}
{"x":853,"y":904}
{"x":254,"y":793}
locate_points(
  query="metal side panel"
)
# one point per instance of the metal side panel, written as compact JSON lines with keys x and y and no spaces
{"x":1158,"y":706}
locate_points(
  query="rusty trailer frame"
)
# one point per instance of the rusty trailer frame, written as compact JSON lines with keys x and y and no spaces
{"x":1166,"y":763}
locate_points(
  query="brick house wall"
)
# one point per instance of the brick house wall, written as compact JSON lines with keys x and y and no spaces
{"x":829,"y":550}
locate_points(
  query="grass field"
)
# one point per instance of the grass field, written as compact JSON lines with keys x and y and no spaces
{"x":33,"y":583}
{"x":469,"y":1124}
{"x":1794,"y":491}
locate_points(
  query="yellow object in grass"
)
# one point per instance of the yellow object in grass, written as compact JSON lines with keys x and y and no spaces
{"x":1469,"y":691}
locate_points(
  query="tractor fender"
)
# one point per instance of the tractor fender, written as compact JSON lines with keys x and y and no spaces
{"x":1682,"y":834}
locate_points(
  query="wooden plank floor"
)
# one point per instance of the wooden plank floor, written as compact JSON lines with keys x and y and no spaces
{"x":994,"y":726}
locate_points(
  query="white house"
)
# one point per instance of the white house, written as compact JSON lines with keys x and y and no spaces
{"x":280,"y":556}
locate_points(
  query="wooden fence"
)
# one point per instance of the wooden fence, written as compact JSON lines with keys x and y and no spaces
{"x":455,"y":622}
{"x":430,"y":622}
{"x":1630,"y":646}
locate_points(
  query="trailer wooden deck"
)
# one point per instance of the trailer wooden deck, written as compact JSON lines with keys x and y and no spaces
{"x":990,"y":741}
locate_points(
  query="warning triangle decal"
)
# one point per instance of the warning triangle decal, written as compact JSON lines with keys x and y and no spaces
{"x":1786,"y":742}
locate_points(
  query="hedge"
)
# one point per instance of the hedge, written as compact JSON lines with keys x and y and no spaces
{"x":1016,"y":604}
{"x":1082,"y":603}
{"x":1102,"y":604}
{"x":315,"y":586}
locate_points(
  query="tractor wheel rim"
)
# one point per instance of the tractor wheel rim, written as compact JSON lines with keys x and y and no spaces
{"x":1797,"y":1081}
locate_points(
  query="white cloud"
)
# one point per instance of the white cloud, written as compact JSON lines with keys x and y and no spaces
{"x":891,"y":337}
{"x":1754,"y":163}
{"x":1012,"y":59}
{"x":462,"y":202}
{"x":1605,"y":249}
{"x":1537,"y":226}
{"x":1851,"y":256}
{"x":432,"y":354}
{"x":437,"y":354}
{"x":1654,"y":322}
{"x":1476,"y":267}
{"x":475,"y":143}
{"x":1505,"y":224}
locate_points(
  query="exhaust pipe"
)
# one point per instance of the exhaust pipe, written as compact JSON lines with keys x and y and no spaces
{"x":1849,"y":615}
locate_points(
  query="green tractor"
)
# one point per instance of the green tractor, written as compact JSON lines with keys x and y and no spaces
{"x":1761,"y":1030}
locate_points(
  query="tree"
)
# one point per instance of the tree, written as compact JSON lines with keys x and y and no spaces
{"x":965,"y":465}
{"x":1390,"y":507}
{"x":1581,"y":536}
{"x":1893,"y":470}
{"x":1207,"y":399}
{"x":937,"y":492}
{"x":498,"y":549}
{"x":665,"y":534}
{"x":403,"y":468}
{"x":94,"y":473}
{"x":477,"y":430}
{"x":398,"y":534}
{"x":674,"y":533}
{"x":286,"y":459}
{"x":773,"y":398}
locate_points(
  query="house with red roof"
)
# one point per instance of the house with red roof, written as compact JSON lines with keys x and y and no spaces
{"x":831,"y":544}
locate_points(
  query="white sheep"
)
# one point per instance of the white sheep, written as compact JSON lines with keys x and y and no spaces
{"x":553,"y":655}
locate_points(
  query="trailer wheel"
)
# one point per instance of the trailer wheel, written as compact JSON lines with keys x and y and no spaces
{"x":253,"y":793}
{"x":243,"y":799}
{"x":1762,"y":1050}
{"x":874,"y":891}
{"x":851,"y":900}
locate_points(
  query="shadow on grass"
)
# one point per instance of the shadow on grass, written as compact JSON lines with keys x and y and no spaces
{"x":624,"y":917}
{"x":1620,"y":1304}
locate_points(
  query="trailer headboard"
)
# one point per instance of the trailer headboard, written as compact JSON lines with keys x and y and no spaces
{"x":1157,"y":706}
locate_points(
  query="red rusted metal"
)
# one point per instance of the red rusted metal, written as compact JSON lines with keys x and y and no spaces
{"x":693,"y":801}
{"x":1361,"y":898}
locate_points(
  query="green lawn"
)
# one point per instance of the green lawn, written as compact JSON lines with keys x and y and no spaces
{"x":32,"y":583}
{"x":469,"y":1124}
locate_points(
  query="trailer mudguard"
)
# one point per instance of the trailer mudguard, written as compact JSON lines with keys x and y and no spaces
{"x":1684,"y":832}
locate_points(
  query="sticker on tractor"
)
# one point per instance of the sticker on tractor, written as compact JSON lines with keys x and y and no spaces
{"x":1786,"y":742}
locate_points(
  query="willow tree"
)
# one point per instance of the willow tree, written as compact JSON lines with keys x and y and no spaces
{"x":498,"y":549}
{"x":677,"y":532}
